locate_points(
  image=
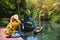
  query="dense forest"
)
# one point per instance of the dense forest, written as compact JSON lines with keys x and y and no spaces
{"x":46,"y":13}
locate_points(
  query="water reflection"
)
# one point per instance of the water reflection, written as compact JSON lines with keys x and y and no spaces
{"x":32,"y":38}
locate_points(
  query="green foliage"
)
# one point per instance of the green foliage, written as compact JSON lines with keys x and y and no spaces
{"x":28,"y":12}
{"x":35,"y":13}
{"x":34,"y":9}
{"x":9,"y":4}
{"x":3,"y":23}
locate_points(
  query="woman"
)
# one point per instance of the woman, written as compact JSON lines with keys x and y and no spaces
{"x":13,"y":25}
{"x":15,"y":22}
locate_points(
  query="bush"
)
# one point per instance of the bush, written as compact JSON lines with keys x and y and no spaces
{"x":3,"y":23}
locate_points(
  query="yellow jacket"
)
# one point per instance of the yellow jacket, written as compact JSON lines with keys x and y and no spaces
{"x":11,"y":28}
